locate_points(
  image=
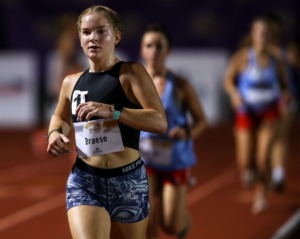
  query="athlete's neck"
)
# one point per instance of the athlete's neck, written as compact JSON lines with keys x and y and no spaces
{"x":260,"y":49}
{"x":157,"y":71}
{"x":103,"y":64}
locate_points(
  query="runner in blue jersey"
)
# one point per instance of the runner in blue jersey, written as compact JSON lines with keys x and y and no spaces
{"x":255,"y":81}
{"x":169,"y":157}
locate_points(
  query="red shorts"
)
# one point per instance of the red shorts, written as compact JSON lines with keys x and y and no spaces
{"x":176,"y":177}
{"x":249,"y":120}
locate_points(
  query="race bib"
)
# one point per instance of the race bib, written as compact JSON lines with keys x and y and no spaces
{"x":157,"y":152}
{"x":97,"y":137}
{"x":259,"y":96}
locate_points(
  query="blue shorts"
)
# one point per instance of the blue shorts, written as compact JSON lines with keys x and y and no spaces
{"x":123,"y":191}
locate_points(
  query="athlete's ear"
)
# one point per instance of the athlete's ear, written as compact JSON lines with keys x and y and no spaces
{"x":117,"y":38}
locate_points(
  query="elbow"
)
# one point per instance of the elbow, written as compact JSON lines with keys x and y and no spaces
{"x":157,"y":124}
{"x":226,"y":87}
{"x":200,"y":128}
{"x":162,"y":126}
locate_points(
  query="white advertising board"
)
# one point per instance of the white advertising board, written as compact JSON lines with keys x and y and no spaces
{"x":18,"y":90}
{"x":204,"y":69}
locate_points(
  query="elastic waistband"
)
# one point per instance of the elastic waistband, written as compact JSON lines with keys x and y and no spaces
{"x":108,"y":173}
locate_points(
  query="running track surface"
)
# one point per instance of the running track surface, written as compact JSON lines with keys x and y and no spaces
{"x":32,"y":190}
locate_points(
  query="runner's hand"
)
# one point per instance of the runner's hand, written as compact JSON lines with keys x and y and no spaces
{"x":178,"y":133}
{"x":57,"y":144}
{"x":236,"y":101}
{"x":85,"y":111}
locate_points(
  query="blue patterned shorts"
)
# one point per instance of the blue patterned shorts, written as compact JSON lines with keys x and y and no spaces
{"x":123,"y":191}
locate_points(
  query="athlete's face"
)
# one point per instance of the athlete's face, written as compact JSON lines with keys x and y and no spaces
{"x":97,"y":36}
{"x":154,"y":48}
{"x":259,"y":33}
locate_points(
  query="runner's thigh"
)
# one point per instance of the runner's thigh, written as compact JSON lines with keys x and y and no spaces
{"x":89,"y":222}
{"x":135,"y":230}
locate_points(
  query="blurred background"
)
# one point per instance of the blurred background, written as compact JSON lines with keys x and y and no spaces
{"x":39,"y":45}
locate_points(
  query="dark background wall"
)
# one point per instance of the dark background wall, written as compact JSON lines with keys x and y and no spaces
{"x":32,"y":24}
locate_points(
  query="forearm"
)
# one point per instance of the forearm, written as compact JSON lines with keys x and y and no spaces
{"x":57,"y":122}
{"x":144,"y":119}
{"x":197,"y":129}
{"x":233,"y":93}
{"x":230,"y":88}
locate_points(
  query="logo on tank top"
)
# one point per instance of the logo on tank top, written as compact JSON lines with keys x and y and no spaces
{"x":78,"y":98}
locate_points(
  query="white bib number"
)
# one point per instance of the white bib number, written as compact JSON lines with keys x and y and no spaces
{"x":97,"y":137}
{"x":259,"y":96}
{"x":156,"y":152}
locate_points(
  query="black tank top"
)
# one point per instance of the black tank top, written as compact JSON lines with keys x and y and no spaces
{"x":105,"y":87}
